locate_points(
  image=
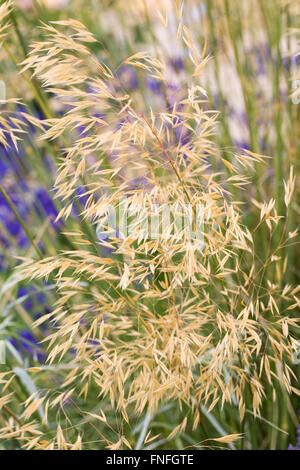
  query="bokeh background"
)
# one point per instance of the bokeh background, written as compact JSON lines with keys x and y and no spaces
{"x":251,"y":82}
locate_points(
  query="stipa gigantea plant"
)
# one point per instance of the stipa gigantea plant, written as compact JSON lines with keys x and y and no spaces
{"x":149,"y":321}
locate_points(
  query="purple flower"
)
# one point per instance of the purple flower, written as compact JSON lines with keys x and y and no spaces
{"x":22,"y":292}
{"x":177,"y":63}
{"x":154,"y":85}
{"x":81,"y":194}
{"x":29,"y":344}
{"x":297,"y":446}
{"x":44,"y":206}
{"x":243,"y":145}
{"x":128,"y":78}
{"x":3,"y":168}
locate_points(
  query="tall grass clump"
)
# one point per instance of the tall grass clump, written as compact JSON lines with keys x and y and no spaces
{"x":151,"y":171}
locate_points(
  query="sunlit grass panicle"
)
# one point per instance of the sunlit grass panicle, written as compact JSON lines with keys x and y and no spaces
{"x":148,"y":321}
